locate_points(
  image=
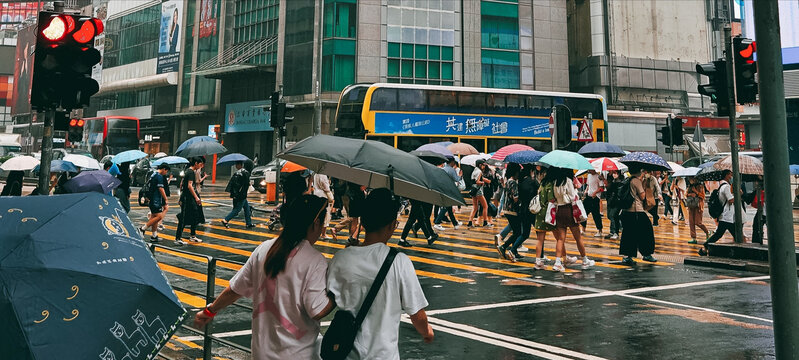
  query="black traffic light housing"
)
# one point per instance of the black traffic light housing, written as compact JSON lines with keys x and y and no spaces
{"x":75,"y":133}
{"x":716,"y":72}
{"x":63,"y":61}
{"x":745,"y":68}
{"x":665,"y":135}
{"x":676,"y":131}
{"x":563,"y":126}
{"x":280,"y":112}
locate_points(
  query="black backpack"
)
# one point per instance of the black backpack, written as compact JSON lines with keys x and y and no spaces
{"x":714,"y":205}
{"x":148,"y":189}
{"x":624,"y":195}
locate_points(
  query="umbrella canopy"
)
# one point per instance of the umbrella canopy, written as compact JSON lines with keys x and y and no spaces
{"x":159,"y":155}
{"x":97,"y":181}
{"x":687,"y":172}
{"x":372,"y":164}
{"x":566,"y":160}
{"x":645,"y":160}
{"x":193,"y":140}
{"x":601,"y":149}
{"x":525,"y":157}
{"x":707,"y":164}
{"x":675,"y":166}
{"x":462,"y":149}
{"x":231,"y":158}
{"x":710,"y":173}
{"x":794,"y":169}
{"x":82,"y":161}
{"x":59,"y":166}
{"x":290,"y":167}
{"x":75,"y":270}
{"x":509,"y":149}
{"x":472,"y":159}
{"x":443,"y":143}
{"x":436,"y":148}
{"x":747,"y":165}
{"x":200,"y":146}
{"x":607,"y":164}
{"x":170,"y":160}
{"x":429,"y":156}
{"x":128,"y":156}
{"x":20,"y":163}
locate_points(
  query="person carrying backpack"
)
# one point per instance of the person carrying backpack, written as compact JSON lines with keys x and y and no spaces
{"x":637,"y":235}
{"x":237,"y":187}
{"x":156,"y":193}
{"x":721,"y":207}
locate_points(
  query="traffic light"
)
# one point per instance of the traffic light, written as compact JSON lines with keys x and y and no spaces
{"x":745,"y":68}
{"x":676,"y":131}
{"x":288,"y":113}
{"x":274,"y":118}
{"x":63,"y":60}
{"x":665,"y":135}
{"x":716,"y":72}
{"x":75,"y":133}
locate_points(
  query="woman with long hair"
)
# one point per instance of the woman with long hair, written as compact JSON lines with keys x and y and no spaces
{"x":565,"y":196}
{"x":512,"y":212}
{"x":285,"y":278}
{"x":478,"y":199}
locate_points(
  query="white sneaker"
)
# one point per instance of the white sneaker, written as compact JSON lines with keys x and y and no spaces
{"x":570,"y":260}
{"x":459,"y":224}
{"x":546,"y":259}
{"x":497,"y":240}
{"x":614,"y":237}
{"x":438,"y":227}
{"x":523,"y":249}
{"x":539,"y":264}
{"x":456,"y":227}
{"x":160,"y":227}
{"x":195,"y":239}
{"x":587,"y":263}
{"x":179,"y":242}
{"x":599,"y":235}
{"x":558,"y":267}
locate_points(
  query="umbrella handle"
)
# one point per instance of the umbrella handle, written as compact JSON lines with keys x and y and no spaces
{"x":391,"y":178}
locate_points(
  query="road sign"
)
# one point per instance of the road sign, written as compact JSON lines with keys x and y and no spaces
{"x":584,"y":134}
{"x":681,"y":148}
{"x":698,"y":136}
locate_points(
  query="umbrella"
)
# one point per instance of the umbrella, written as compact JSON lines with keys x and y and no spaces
{"x":794,"y":169}
{"x":82,"y":161}
{"x":566,"y":160}
{"x":436,"y":148}
{"x":525,"y":157}
{"x":200,"y":146}
{"x":193,"y":140}
{"x":20,"y":163}
{"x":429,"y":156}
{"x":170,"y":160}
{"x":710,"y":173}
{"x":601,"y":149}
{"x":687,"y":172}
{"x":159,"y":155}
{"x":374,"y":164}
{"x":607,"y":164}
{"x":675,"y":166}
{"x":472,"y":159}
{"x":462,"y":149}
{"x":234,"y":157}
{"x":747,"y":165}
{"x":707,"y":164}
{"x":74,"y":270}
{"x":290,"y":167}
{"x":97,"y":181}
{"x":645,"y":160}
{"x":128,"y":156}
{"x":59,"y":166}
{"x":509,"y":149}
{"x":443,"y":143}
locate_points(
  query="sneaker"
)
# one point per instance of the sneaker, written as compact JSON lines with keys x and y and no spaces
{"x":674,"y":222}
{"x":154,"y":239}
{"x":649,"y":258}
{"x":459,"y":224}
{"x":587,"y":263}
{"x":432,"y":239}
{"x":614,"y":237}
{"x":511,"y":256}
{"x":598,"y":234}
{"x":702,"y":252}
{"x":403,"y":243}
{"x":517,"y":255}
{"x":353,"y":241}
{"x":539,"y":264}
{"x":142,"y":230}
{"x":608,"y":236}
{"x":456,"y":227}
{"x":438,"y":227}
{"x":546,"y":259}
{"x":503,"y":254}
{"x":523,"y":249}
{"x":470,"y":224}
{"x":628,"y":261}
{"x":497,"y":240}
{"x":179,"y":242}
{"x":195,"y":239}
{"x":570,"y":260}
{"x":693,"y":241}
{"x":160,"y":227}
{"x":250,"y":226}
{"x":225,"y":224}
{"x":558,"y":267}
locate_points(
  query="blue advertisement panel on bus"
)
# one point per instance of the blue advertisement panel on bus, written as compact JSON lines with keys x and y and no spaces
{"x":464,"y":125}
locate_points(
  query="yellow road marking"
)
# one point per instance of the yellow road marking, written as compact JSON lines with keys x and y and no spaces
{"x":220,"y":263}
{"x":191,"y":274}
{"x":189,"y":299}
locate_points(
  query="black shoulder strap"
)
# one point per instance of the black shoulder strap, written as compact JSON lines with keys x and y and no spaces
{"x":370,"y":297}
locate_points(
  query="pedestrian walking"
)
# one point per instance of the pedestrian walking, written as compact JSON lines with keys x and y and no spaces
{"x":352,"y":200}
{"x":419,"y":218}
{"x":546,"y":195}
{"x":695,"y":201}
{"x":665,"y":184}
{"x":451,"y":168}
{"x":638,"y":235}
{"x":759,"y":203}
{"x":679,"y":191}
{"x":122,"y":193}
{"x":511,"y":209}
{"x":285,"y":278}
{"x":726,"y":220}
{"x":615,"y":181}
{"x":158,"y":204}
{"x":13,"y":185}
{"x":321,"y":188}
{"x":477,"y":192}
{"x":651,"y":182}
{"x":191,"y":208}
{"x":565,"y":195}
{"x":592,"y":202}
{"x":353,"y":271}
{"x":238,"y":187}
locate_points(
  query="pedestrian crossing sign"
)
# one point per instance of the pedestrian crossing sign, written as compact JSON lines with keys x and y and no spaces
{"x":584,"y":132}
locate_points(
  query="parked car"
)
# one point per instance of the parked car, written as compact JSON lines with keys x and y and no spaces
{"x":258,"y":175}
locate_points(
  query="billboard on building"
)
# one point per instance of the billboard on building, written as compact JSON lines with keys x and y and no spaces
{"x":789,"y":27}
{"x":26,"y":40}
{"x":12,"y":13}
{"x":100,"y":12}
{"x":170,"y":36}
{"x":208,"y":17}
{"x":247,"y":116}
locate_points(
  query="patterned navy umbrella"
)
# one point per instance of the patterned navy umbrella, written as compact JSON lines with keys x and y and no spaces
{"x":645,"y":160}
{"x":525,"y":157}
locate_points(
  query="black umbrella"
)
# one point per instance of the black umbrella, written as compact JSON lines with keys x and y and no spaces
{"x":430,"y":156}
{"x":372,"y":164}
{"x":201,"y":148}
{"x":600,"y":149}
{"x":711,"y":173}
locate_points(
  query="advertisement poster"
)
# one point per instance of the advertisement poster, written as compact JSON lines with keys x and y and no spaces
{"x":100,"y":12}
{"x":464,"y":125}
{"x":12,"y":12}
{"x":247,"y":116}
{"x":23,"y":68}
{"x":170,"y":36}
{"x":208,"y":15}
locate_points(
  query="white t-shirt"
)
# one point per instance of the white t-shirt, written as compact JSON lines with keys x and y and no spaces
{"x":594,"y":183}
{"x":284,"y":307}
{"x":349,"y":278}
{"x":725,"y":194}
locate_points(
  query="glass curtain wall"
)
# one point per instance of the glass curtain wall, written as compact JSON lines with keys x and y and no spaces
{"x":338,"y":47}
{"x":500,"y":44}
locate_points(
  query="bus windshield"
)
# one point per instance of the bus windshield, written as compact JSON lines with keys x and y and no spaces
{"x":348,"y":118}
{"x":122,"y":135}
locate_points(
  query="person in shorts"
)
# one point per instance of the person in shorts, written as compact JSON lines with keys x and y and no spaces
{"x":158,"y":201}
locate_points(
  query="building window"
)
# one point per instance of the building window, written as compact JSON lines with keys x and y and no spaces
{"x":500,"y":44}
{"x":338,"y":71}
{"x":256,"y":20}
{"x":132,"y":38}
{"x":340,"y":19}
{"x":500,"y":69}
{"x":500,"y":32}
{"x":125,"y":99}
{"x":6,"y":89}
{"x":420,"y":64}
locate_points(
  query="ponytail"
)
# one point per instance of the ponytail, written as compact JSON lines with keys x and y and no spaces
{"x":300,"y":215}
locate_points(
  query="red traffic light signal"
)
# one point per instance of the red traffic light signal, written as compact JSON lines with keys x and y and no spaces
{"x":73,"y":122}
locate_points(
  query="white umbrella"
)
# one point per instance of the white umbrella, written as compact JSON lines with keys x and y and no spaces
{"x":83,"y":162}
{"x":674,"y":166}
{"x":687,"y":172}
{"x":472,"y":159}
{"x":159,"y":155}
{"x":20,"y":163}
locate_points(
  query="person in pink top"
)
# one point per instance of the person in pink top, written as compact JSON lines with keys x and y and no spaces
{"x":285,"y":278}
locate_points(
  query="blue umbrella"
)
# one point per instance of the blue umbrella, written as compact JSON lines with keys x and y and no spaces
{"x":601,"y":149}
{"x":170,"y":160}
{"x":794,"y":169}
{"x":436,"y":148}
{"x":59,"y":166}
{"x":525,"y":157}
{"x":96,"y":180}
{"x":193,"y":140}
{"x":128,"y":156}
{"x":75,"y":270}
{"x":707,"y":164}
{"x":645,"y":160}
{"x":566,"y":160}
{"x":234,"y":157}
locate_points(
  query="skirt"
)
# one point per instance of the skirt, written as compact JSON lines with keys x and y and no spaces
{"x":564,"y":218}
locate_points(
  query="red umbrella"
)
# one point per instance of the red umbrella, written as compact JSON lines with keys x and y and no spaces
{"x":607,"y":164}
{"x":509,"y":149}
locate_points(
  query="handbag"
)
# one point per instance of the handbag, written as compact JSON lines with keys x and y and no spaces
{"x":473,"y":190}
{"x":552,"y":209}
{"x":339,"y":338}
{"x":535,"y":205}
{"x":578,"y":210}
{"x":692,"y":202}
{"x":461,"y":185}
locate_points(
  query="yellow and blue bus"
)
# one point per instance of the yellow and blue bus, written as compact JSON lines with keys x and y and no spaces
{"x":407,"y":116}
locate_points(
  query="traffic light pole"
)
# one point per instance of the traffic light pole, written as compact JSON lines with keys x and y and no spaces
{"x":47,"y":153}
{"x":736,"y":173}
{"x":671,"y":138}
{"x":782,"y":251}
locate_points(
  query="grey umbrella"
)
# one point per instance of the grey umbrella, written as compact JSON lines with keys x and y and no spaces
{"x":201,"y":148}
{"x":372,"y":164}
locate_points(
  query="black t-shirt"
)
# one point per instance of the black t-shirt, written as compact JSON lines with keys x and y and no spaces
{"x":188,"y":175}
{"x":528,"y":189}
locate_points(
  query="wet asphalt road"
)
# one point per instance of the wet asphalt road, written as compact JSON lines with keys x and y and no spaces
{"x":482,"y":307}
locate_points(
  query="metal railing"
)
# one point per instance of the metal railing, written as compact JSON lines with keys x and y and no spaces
{"x":209,"y":296}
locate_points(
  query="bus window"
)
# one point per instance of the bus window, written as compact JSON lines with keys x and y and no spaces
{"x":469,"y":102}
{"x":540,"y":145}
{"x":122,"y":135}
{"x":495,"y":104}
{"x":600,"y":135}
{"x":515,"y":105}
{"x":388,"y":140}
{"x":581,"y":107}
{"x":348,"y":118}
{"x":442,"y":101}
{"x":410,"y":143}
{"x":411,"y":99}
{"x":384,"y":99}
{"x":539,"y":105}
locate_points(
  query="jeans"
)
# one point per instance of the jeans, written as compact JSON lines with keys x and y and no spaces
{"x":443,"y":212}
{"x":526,"y":222}
{"x":654,"y":212}
{"x":723,"y":227}
{"x":667,"y":209}
{"x":615,"y":222}
{"x":238,"y":205}
{"x":515,"y":227}
{"x":592,"y":205}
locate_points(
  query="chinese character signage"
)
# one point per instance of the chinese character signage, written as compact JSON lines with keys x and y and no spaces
{"x":170,"y":36}
{"x":208,"y":16}
{"x":463,"y":125}
{"x":247,"y":116}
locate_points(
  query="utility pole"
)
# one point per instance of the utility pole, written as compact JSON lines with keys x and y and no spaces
{"x":782,"y":251}
{"x":318,"y":89}
{"x":736,"y":173}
